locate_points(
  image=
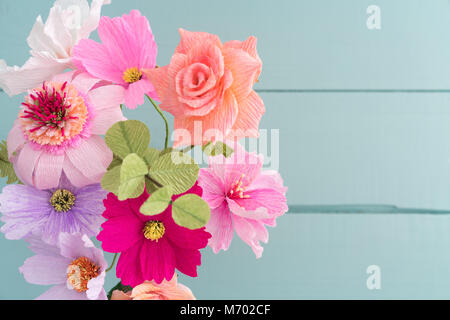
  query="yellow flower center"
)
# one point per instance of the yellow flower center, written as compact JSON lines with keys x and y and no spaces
{"x":80,"y":271}
{"x":62,"y":200}
{"x":132,"y":75}
{"x":154,"y":230}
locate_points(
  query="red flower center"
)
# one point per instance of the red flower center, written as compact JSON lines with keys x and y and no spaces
{"x":53,"y":114}
{"x":237,"y":189}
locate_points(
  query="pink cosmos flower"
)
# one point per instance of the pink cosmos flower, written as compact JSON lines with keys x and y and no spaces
{"x":51,"y":44}
{"x":128,"y":47}
{"x":243,"y":198}
{"x":58,"y":130}
{"x":149,"y":290}
{"x":208,"y":87}
{"x":74,"y":267}
{"x":151,"y":246}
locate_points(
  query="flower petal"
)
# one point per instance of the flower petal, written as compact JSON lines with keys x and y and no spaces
{"x":244,"y":69}
{"x":120,"y":233}
{"x":15,"y":139}
{"x":251,"y":232}
{"x":190,"y":39}
{"x":92,"y":157}
{"x":129,"y":266}
{"x":213,"y":188}
{"x":157,"y":260}
{"x":251,"y":110}
{"x":61,"y":292}
{"x":26,"y":163}
{"x":95,"y":58}
{"x":221,"y":228}
{"x":47,"y":172}
{"x":106,"y":97}
{"x":45,"y":270}
{"x":134,"y":95}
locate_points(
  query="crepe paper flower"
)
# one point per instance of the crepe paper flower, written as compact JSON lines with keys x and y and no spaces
{"x":46,"y":213}
{"x":51,"y":44}
{"x":208,"y":88}
{"x":74,"y":267}
{"x":151,"y":246}
{"x":127,"y":47}
{"x":58,"y":130}
{"x":150,"y":290}
{"x":243,"y":198}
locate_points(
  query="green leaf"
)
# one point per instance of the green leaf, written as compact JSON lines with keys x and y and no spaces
{"x":157,"y":202}
{"x":6,"y":167}
{"x":116,"y":161}
{"x":175,"y":169}
{"x":127,"y":137}
{"x":219,"y":148}
{"x":151,"y":155}
{"x":132,"y":177}
{"x":111,"y":180}
{"x":190,"y":211}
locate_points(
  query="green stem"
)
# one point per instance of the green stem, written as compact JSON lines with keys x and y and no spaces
{"x":159,"y":185}
{"x":166,"y":144}
{"x":113,"y":262}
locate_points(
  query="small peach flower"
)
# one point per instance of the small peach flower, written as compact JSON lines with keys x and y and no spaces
{"x":167,"y":290}
{"x":208,"y":86}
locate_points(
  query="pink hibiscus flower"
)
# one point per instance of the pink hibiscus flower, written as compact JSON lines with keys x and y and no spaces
{"x":58,"y":131}
{"x":208,"y":88}
{"x":243,"y":198}
{"x":151,"y":246}
{"x":127,"y":47}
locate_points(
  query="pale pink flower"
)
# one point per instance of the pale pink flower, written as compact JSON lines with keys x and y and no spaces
{"x":208,"y":88}
{"x":128,"y":47}
{"x":242,"y":198}
{"x":51,"y":44}
{"x":59,"y":130}
{"x":150,"y":290}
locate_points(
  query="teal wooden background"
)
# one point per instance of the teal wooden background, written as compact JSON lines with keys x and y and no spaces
{"x":387,"y":144}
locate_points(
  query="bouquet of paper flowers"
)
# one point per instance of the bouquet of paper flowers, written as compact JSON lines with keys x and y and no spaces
{"x":77,"y":168}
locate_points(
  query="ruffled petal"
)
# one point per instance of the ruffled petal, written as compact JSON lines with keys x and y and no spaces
{"x":244,"y":69}
{"x":251,"y":232}
{"x":190,"y":39}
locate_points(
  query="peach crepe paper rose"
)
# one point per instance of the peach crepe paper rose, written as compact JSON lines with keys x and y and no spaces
{"x":208,"y":88}
{"x":149,"y":290}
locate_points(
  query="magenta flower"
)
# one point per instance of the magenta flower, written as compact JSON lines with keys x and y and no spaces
{"x":243,"y":198}
{"x":128,"y":47}
{"x":151,"y":246}
{"x":74,"y":267}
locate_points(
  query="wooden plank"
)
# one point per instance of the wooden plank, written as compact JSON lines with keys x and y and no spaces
{"x":308,"y":256}
{"x":304,"y":44}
